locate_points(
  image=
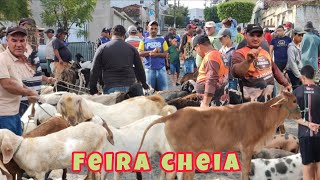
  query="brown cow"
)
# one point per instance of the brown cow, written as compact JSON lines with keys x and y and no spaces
{"x":245,"y":128}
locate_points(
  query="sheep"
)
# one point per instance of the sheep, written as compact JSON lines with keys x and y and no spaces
{"x":287,"y":142}
{"x":76,"y":109}
{"x":289,"y":167}
{"x":54,"y":124}
{"x":127,"y":138}
{"x":40,"y":154}
{"x":44,"y":112}
{"x":270,"y":153}
{"x":189,"y":100}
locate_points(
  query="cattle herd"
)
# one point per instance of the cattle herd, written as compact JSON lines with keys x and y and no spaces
{"x":168,"y":121}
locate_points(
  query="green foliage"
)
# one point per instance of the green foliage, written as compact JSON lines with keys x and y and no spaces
{"x":211,"y":14}
{"x":181,"y":14}
{"x":65,"y":13}
{"x":14,"y":10}
{"x":241,"y":11}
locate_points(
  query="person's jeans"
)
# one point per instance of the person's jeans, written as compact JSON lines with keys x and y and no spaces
{"x":189,"y":65}
{"x":116,"y":89}
{"x":295,"y":82}
{"x":13,"y":123}
{"x":23,"y":107}
{"x":157,"y":78}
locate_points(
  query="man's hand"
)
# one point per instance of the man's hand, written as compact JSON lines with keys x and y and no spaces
{"x":156,"y":50}
{"x":253,"y":55}
{"x":60,"y":61}
{"x":51,"y":80}
{"x":32,"y":99}
{"x":289,"y":88}
{"x":313,"y":127}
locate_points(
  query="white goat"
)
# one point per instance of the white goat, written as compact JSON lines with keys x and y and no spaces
{"x":128,"y":138}
{"x":77,"y":109}
{"x":54,"y":151}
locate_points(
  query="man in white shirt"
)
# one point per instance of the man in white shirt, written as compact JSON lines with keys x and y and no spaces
{"x":49,"y":50}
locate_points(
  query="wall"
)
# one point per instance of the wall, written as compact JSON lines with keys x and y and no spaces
{"x":196,"y":13}
{"x":307,"y":13}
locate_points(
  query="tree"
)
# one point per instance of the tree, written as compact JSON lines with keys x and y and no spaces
{"x":65,"y":13}
{"x":211,"y":14}
{"x":181,"y":14}
{"x":14,"y":10}
{"x":241,"y":11}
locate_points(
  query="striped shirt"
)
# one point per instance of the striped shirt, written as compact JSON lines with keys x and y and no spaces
{"x":133,"y":41}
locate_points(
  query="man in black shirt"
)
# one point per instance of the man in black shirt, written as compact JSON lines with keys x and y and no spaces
{"x":119,"y":63}
{"x":308,"y":98}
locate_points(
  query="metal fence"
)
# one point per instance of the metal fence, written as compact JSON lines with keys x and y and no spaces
{"x":86,"y":49}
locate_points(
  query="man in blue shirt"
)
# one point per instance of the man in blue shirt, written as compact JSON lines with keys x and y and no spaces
{"x":310,"y":47}
{"x":279,"y":46}
{"x":154,"y":50}
{"x":105,"y":37}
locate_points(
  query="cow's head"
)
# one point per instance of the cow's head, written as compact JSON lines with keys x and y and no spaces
{"x":73,"y":108}
{"x":288,"y":102}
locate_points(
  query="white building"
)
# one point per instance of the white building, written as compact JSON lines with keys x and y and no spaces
{"x":196,"y":13}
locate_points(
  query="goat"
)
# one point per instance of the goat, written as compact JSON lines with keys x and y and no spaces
{"x":244,"y":127}
{"x":76,"y":109}
{"x":186,"y":101}
{"x":40,"y":154}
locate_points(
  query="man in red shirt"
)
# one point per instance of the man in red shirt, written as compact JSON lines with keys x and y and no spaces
{"x":267,"y":35}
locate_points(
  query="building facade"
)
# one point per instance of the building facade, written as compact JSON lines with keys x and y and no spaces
{"x":196,"y":13}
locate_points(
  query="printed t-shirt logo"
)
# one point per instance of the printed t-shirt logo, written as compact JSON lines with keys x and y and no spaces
{"x":152,"y":45}
{"x":281,"y":43}
{"x":262,"y":63}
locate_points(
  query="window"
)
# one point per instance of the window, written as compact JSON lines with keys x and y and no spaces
{"x":141,"y":1}
{"x":267,"y":22}
{"x":271,"y":22}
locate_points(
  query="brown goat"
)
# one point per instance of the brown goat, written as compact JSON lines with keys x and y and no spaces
{"x":190,"y":76}
{"x":244,"y":127}
{"x":54,"y":124}
{"x":182,"y":102}
{"x":287,"y":142}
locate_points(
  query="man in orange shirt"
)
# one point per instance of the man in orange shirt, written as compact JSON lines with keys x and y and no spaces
{"x":212,"y":81}
{"x":255,"y":68}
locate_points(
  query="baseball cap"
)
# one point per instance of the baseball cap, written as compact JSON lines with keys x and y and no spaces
{"x":191,"y":26}
{"x":106,"y":30}
{"x":298,"y":30}
{"x":223,"y":32}
{"x":49,"y":31}
{"x":153,"y":23}
{"x":59,"y":31}
{"x":12,"y":30}
{"x":140,"y":29}
{"x":24,"y":21}
{"x":132,"y":29}
{"x":210,"y":24}
{"x":200,"y":39}
{"x":309,"y":26}
{"x":251,"y":28}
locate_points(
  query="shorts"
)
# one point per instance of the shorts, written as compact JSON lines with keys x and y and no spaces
{"x":309,"y":149}
{"x":189,"y":66}
{"x":13,"y":123}
{"x":175,"y":68}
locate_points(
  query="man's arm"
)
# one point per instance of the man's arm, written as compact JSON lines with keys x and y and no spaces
{"x":13,"y":87}
{"x":278,"y":75}
{"x":271,"y":47}
{"x":239,"y":66}
{"x":142,"y":52}
{"x":96,"y":71}
{"x":183,"y":42}
{"x":212,"y":78}
{"x":159,"y":54}
{"x":138,"y":68}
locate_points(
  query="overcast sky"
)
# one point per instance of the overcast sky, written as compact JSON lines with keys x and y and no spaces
{"x":191,"y":3}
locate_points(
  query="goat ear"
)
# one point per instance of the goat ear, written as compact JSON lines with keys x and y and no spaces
{"x":110,"y":134}
{"x":6,"y":149}
{"x":279,"y":103}
{"x":5,"y":171}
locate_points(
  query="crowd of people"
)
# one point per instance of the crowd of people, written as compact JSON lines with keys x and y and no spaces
{"x":234,"y":65}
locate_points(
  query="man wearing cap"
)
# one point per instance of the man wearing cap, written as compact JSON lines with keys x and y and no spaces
{"x":212,"y":80}
{"x":294,"y":58}
{"x":119,"y":64}
{"x":133,"y":38}
{"x":310,"y":47}
{"x":210,"y":29}
{"x":32,"y":81}
{"x":289,"y":30}
{"x":279,"y":46}
{"x":140,"y":32}
{"x":154,"y":50}
{"x":255,"y":68}
{"x":186,"y":50}
{"x":62,"y":54}
{"x":227,"y":50}
{"x":105,"y":37}
{"x":49,"y":49}
{"x":13,"y":63}
{"x":230,"y":24}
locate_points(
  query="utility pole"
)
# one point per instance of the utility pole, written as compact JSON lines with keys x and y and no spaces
{"x":174,"y":14}
{"x":157,"y":10}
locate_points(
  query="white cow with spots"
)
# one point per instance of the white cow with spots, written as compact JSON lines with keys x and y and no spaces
{"x":286,"y":168}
